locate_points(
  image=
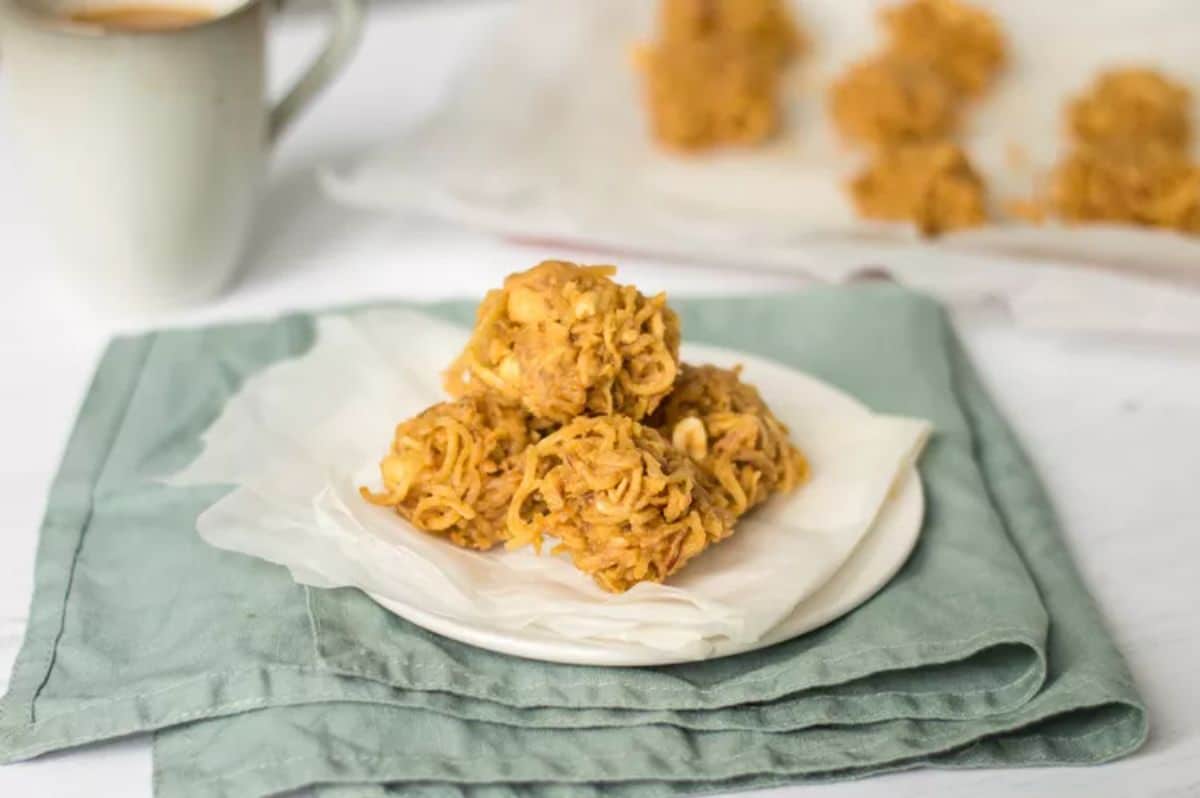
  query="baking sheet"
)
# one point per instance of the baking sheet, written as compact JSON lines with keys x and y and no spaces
{"x":543,"y":137}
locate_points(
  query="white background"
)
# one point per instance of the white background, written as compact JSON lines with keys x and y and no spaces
{"x":1114,"y":425}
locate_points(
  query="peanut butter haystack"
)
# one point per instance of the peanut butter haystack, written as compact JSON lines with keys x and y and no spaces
{"x":724,"y":425}
{"x":565,"y":340}
{"x":709,"y":94}
{"x":1131,"y":137}
{"x":1126,"y":107}
{"x":961,"y":43}
{"x":933,"y":185}
{"x":1151,"y":187}
{"x":624,"y":504}
{"x":764,"y":26}
{"x":452,"y":470}
{"x":545,"y":439}
{"x":905,"y":105}
{"x":713,"y":76}
{"x":883,"y":101}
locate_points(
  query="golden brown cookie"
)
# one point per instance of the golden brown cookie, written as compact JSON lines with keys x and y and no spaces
{"x":764,"y":26}
{"x":1148,"y":186}
{"x":713,"y":75}
{"x":564,"y":340}
{"x":962,"y":43}
{"x":885,"y":100}
{"x":710,"y":93}
{"x":930,"y":184}
{"x":624,"y":504}
{"x":725,"y":426}
{"x":1125,"y":108}
{"x":452,"y":470}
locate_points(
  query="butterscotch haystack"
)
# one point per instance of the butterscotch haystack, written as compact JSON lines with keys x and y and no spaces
{"x":932,"y":185}
{"x":563,"y":340}
{"x":725,"y":426}
{"x":453,"y":469}
{"x":1129,"y":161}
{"x":713,"y":76}
{"x":905,"y":104}
{"x":763,"y":26}
{"x":710,"y":93}
{"x":883,"y":101}
{"x":962,"y":43}
{"x":1151,"y":187}
{"x":1126,"y":108}
{"x":624,"y":504}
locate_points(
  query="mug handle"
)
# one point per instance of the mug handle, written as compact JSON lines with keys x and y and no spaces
{"x":348,"y":18}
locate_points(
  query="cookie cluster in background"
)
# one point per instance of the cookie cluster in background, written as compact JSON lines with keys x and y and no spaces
{"x":713,"y":78}
{"x":905,"y":104}
{"x":713,"y":75}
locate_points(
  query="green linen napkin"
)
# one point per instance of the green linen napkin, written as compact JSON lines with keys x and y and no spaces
{"x":984,"y":650}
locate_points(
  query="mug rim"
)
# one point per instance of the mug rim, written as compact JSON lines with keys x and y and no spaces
{"x":63,"y":26}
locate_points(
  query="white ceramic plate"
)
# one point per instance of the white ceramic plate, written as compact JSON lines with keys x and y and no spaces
{"x":878,"y":558}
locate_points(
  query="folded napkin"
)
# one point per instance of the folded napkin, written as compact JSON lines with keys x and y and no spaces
{"x":984,"y":650}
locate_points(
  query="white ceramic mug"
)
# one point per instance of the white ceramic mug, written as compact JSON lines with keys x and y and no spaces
{"x":148,"y":150}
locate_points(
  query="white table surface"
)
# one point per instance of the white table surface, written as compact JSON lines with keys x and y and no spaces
{"x":1113,"y":425}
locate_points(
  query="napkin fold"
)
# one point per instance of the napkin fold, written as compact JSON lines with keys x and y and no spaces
{"x":984,"y":650}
